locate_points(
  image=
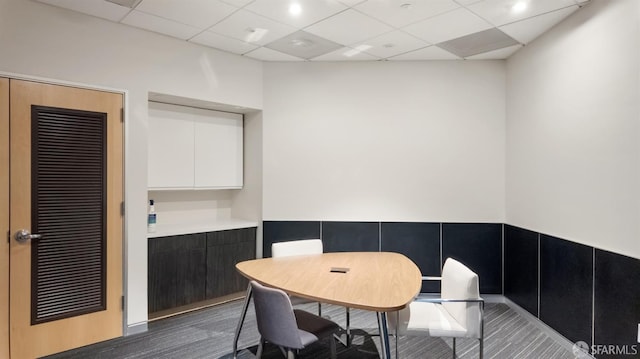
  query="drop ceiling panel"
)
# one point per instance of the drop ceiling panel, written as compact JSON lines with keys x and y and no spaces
{"x":392,"y":43}
{"x":266,"y":54}
{"x":346,"y":54}
{"x":400,"y":13}
{"x":427,"y":53}
{"x":237,"y":3}
{"x":303,"y":44}
{"x":451,"y":25}
{"x":501,"y":12}
{"x":126,"y":3}
{"x":211,"y":39}
{"x":497,"y":54}
{"x":349,"y":27}
{"x":99,"y":8}
{"x":478,"y":43}
{"x":466,"y":2}
{"x":352,"y":2}
{"x":197,"y":13}
{"x":311,"y":11}
{"x":242,"y":25}
{"x":160,"y":25}
{"x":527,"y":30}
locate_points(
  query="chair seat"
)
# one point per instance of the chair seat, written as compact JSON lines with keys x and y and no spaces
{"x":310,"y":323}
{"x":424,"y":318}
{"x":306,"y":338}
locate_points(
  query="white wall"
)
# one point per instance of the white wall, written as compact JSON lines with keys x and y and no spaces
{"x":247,"y":203}
{"x":40,"y":40}
{"x":384,"y":141}
{"x":573,"y":129}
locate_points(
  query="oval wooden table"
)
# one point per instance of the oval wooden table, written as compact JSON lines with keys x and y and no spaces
{"x":377,"y":281}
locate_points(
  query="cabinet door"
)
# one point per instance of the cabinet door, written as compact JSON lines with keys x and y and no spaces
{"x":218,"y":150}
{"x":191,"y":268}
{"x":161,"y":273}
{"x":224,"y":250}
{"x":177,"y":271}
{"x":170,"y":157}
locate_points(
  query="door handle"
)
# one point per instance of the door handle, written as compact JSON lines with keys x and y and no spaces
{"x":23,"y":236}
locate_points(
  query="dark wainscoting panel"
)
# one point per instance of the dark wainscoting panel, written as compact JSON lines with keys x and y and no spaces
{"x":566,"y":287}
{"x":418,"y":241}
{"x":351,"y":236}
{"x":479,"y":246}
{"x":282,"y":231}
{"x":561,"y":273}
{"x":617,"y":300}
{"x":521,"y":267}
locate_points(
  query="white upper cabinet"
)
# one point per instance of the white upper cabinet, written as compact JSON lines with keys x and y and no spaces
{"x":191,"y":148}
{"x":218,"y":151}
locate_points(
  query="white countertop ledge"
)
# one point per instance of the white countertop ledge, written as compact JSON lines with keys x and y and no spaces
{"x":163,"y":230}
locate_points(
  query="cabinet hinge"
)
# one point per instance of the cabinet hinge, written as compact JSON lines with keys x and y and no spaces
{"x":122,"y":208}
{"x":8,"y":236}
{"x":122,"y":115}
{"x":122,"y":302}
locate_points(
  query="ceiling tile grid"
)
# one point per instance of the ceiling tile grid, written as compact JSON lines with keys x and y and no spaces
{"x":160,"y":25}
{"x":391,"y":44}
{"x":342,"y":30}
{"x":310,"y":11}
{"x":197,"y":13}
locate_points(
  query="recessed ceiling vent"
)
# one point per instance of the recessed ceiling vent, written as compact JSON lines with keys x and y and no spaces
{"x":478,"y":43}
{"x":126,"y":3}
{"x":303,"y":44}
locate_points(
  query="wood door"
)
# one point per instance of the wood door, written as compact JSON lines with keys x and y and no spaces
{"x":66,"y":172}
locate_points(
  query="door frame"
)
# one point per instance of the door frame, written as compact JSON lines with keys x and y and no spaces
{"x":4,"y":217}
{"x":4,"y":245}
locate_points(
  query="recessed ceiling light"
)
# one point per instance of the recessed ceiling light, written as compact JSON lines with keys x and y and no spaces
{"x":519,"y":6}
{"x":406,"y":6}
{"x":295,"y":9}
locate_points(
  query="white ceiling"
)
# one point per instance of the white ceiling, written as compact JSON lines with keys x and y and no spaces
{"x":342,"y":30}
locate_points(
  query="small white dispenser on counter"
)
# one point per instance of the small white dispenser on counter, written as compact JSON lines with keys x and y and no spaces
{"x":151,"y":218}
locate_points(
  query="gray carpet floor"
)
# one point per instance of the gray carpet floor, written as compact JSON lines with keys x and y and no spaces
{"x":208,"y":333}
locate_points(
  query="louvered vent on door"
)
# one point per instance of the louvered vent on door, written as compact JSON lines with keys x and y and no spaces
{"x":68,"y":168}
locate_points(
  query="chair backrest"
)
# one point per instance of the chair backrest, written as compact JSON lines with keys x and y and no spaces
{"x":296,"y":248}
{"x":275,"y":317}
{"x":459,"y":282}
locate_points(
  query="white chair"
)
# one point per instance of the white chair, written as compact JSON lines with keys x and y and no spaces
{"x":296,"y":248}
{"x":280,"y":324}
{"x":458,"y":313}
{"x":306,"y":247}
